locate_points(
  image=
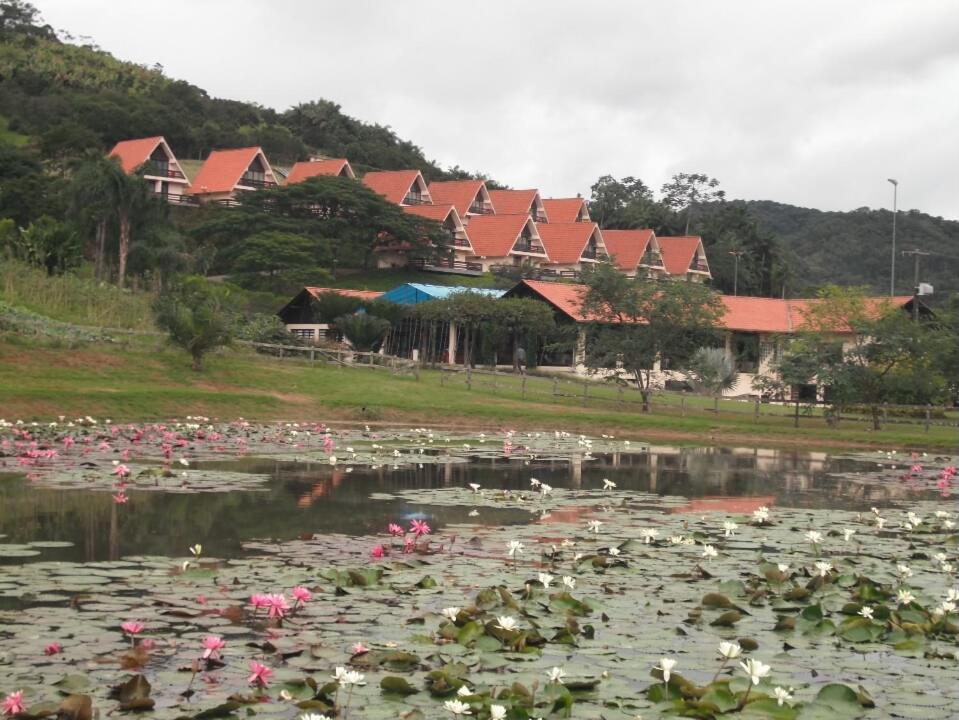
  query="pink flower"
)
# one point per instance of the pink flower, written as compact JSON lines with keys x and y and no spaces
{"x":259,"y":674}
{"x":409,"y":545}
{"x":132,"y":627}
{"x":13,"y":703}
{"x":121,"y":498}
{"x":301,"y":594}
{"x":53,"y":648}
{"x":201,"y":599}
{"x":377,"y":551}
{"x":359,"y":648}
{"x":420,"y":527}
{"x":396,"y":530}
{"x":148,"y":643}
{"x":212,"y":645}
{"x":916,"y":469}
{"x":278,"y":605}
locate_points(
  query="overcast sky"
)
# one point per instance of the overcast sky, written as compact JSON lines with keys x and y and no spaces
{"x":813,"y":103}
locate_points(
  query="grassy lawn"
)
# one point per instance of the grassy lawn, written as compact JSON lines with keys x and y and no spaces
{"x":143,"y":379}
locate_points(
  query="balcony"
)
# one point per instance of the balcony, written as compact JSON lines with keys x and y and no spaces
{"x":539,"y":217}
{"x":699,"y":266}
{"x":163,"y":170}
{"x":480,"y":209}
{"x":416,"y":199}
{"x":461,"y":242}
{"x":651,"y":259}
{"x":456,"y":267}
{"x":527,"y":246}
{"x":255,"y":182}
{"x":188,"y":200}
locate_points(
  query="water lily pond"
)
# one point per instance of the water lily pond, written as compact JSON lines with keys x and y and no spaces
{"x":204,"y":569}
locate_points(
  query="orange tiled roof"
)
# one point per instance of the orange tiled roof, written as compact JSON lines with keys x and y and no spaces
{"x":627,"y":246}
{"x":391,"y":184}
{"x":358,"y":294}
{"x":223,"y":170}
{"x":459,"y":193}
{"x":133,"y":153}
{"x":512,"y":202}
{"x":566,"y":297}
{"x":493,"y":236}
{"x":315,"y":168}
{"x":678,"y":252}
{"x":564,"y":242}
{"x":564,"y":210}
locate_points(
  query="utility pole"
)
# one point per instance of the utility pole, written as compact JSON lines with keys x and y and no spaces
{"x":895,"y":210}
{"x":916,"y":254}
{"x":737,"y":254}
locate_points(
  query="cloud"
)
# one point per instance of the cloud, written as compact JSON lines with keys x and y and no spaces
{"x":814,"y":103}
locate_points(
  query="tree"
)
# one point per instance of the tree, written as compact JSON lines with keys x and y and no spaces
{"x":713,"y":371}
{"x":688,"y":189}
{"x":47,"y":243}
{"x":610,"y":198}
{"x":520,"y":320}
{"x":365,"y":332}
{"x":637,"y":323}
{"x":282,"y":259}
{"x":22,"y":18}
{"x":195,"y":315}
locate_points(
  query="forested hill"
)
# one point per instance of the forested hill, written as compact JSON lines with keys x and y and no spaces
{"x":854,"y":247}
{"x":70,"y":99}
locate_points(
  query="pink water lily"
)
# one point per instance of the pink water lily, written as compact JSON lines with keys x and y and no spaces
{"x":53,"y":648}
{"x":121,"y":498}
{"x":420,"y":527}
{"x":396,"y":530}
{"x":358,"y":648}
{"x":301,"y":595}
{"x":121,"y":471}
{"x":378,"y":551}
{"x":13,"y":703}
{"x":259,"y":600}
{"x":279,"y":606}
{"x":132,"y":627}
{"x":212,"y":645}
{"x":259,"y":674}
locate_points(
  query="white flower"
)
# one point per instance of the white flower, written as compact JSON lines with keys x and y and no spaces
{"x":556,"y":674}
{"x":904,"y":570}
{"x":569,"y":582}
{"x":709,"y":552}
{"x":729,"y":528}
{"x":608,"y":484}
{"x":823,"y":567}
{"x":196,"y":550}
{"x":593,"y":526}
{"x":314,"y":716}
{"x":783,"y":568}
{"x":847,"y":534}
{"x":913,"y":518}
{"x":473,"y":513}
{"x":952,"y":594}
{"x":761,"y":514}
{"x":814,"y":536}
{"x":756,"y":670}
{"x":880,"y":521}
{"x":464,"y":691}
{"x":184,"y":462}
{"x":451,"y":613}
{"x":940,"y":557}
{"x":614,"y":551}
{"x":507,"y":623}
{"x":545,"y":489}
{"x":457,"y":708}
{"x":534,"y":483}
{"x":866,"y":612}
{"x":497,"y":712}
{"x":545,"y":579}
{"x":352,"y":677}
{"x":649,"y":534}
{"x":782,"y":695}
{"x":665,"y":666}
{"x":676,"y":539}
{"x":515,"y":546}
{"x":332,"y":459}
{"x":474,"y":487}
{"x":905,"y":597}
{"x":947,"y":607}
{"x":730,"y":650}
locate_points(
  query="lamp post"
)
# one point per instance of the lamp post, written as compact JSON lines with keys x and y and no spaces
{"x":736,"y":254}
{"x":892,"y":273}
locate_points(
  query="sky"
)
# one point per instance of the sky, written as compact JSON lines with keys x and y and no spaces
{"x":812,"y":103}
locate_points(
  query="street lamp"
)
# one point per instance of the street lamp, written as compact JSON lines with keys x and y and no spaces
{"x":892,"y":274}
{"x":736,"y":254}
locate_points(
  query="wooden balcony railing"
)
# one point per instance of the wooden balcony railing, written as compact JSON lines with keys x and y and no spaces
{"x":416,"y":200}
{"x":480,"y":209}
{"x":247,"y":181}
{"x":699,"y":266}
{"x":189,"y":200}
{"x":446,"y":264}
{"x":529,"y":247}
{"x":162,"y":170}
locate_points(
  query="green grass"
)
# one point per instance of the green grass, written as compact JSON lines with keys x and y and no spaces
{"x":9,"y":137}
{"x":143,"y":379}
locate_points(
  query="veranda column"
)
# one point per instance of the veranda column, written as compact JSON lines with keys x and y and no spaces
{"x":451,"y":348}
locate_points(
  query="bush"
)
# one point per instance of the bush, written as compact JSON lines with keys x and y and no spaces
{"x":194,"y":313}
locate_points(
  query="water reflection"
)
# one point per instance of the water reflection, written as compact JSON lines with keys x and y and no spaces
{"x":305,"y":498}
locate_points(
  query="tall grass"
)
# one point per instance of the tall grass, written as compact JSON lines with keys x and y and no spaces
{"x":74,"y":298}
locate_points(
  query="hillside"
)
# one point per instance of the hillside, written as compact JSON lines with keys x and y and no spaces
{"x":854,"y":247}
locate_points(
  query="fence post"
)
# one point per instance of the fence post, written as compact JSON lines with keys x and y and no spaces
{"x":371,"y":359}
{"x":555,"y":383}
{"x":524,"y":385}
{"x":585,"y":392}
{"x":928,"y":415}
{"x":619,"y":394}
{"x":469,"y":378}
{"x":683,"y":402}
{"x":312,"y":356}
{"x":281,"y":352}
{"x":756,"y":410}
{"x":885,"y":413}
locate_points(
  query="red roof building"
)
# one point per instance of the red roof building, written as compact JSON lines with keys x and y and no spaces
{"x":403,"y":187}
{"x":635,"y":252}
{"x":519,"y":202}
{"x":505,"y":240}
{"x":335,"y":167}
{"x":569,"y":245}
{"x":155,"y":160}
{"x":566,"y":210}
{"x":226,"y":172}
{"x":302,"y":317}
{"x":469,"y":197}
{"x":684,"y":257}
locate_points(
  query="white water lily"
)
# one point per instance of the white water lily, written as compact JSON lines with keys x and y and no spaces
{"x":475,"y":487}
{"x":730,"y":650}
{"x":473,"y":513}
{"x":649,"y":534}
{"x":534,"y":483}
{"x":783,"y":568}
{"x":814,"y":536}
{"x":507,"y":623}
{"x":729,"y":528}
{"x":608,"y":484}
{"x":675,"y":539}
{"x":761,"y":514}
{"x":314,"y":716}
{"x":545,"y":489}
{"x":952,"y":594}
{"x":569,"y":582}
{"x":614,"y":551}
{"x":464,"y":691}
{"x":497,"y":712}
{"x":782,"y":695}
{"x":451,"y":613}
{"x":457,"y":708}
{"x":756,"y":670}
{"x":866,"y":612}
{"x":556,"y":674}
{"x":665,"y":666}
{"x":515,"y":546}
{"x":545,"y":579}
{"x":352,"y":677}
{"x":847,"y":534}
{"x":823,"y":567}
{"x":905,"y":597}
{"x":947,"y":607}
{"x":594,"y":525}
{"x":940,"y":557}
{"x":904,"y":571}
{"x":709,"y":552}
{"x":880,"y":521}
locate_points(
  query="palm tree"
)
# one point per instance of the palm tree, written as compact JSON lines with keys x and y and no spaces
{"x":713,"y":371}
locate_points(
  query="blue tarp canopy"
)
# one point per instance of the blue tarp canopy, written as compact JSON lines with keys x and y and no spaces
{"x":415,"y":293}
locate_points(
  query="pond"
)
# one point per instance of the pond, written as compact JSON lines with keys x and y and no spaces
{"x":560,"y":575}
